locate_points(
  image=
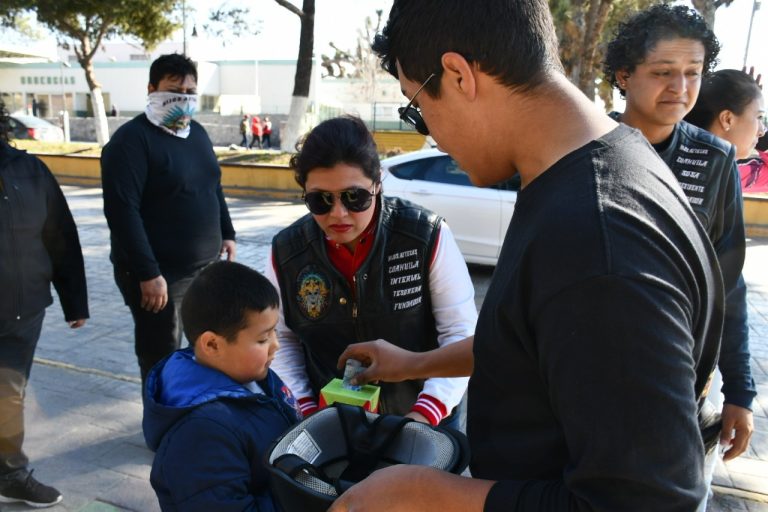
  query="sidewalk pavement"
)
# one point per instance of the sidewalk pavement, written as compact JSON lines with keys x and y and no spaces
{"x":83,"y":405}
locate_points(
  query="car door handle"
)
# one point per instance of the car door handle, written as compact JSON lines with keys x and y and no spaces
{"x":423,"y":192}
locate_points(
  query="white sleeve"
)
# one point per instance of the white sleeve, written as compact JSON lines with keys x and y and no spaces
{"x":289,"y":363}
{"x":453,"y":306}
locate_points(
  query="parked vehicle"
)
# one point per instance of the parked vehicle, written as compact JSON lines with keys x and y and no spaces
{"x":478,"y":216}
{"x":31,"y":127}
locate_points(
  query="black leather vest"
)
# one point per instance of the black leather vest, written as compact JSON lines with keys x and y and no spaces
{"x":391,"y":299}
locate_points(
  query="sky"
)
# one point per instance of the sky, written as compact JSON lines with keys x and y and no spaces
{"x":339,"y":20}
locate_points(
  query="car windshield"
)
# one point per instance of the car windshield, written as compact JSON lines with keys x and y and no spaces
{"x":32,"y":121}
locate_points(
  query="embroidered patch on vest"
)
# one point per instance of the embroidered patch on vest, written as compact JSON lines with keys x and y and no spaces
{"x":313,"y":293}
{"x":404,"y":275}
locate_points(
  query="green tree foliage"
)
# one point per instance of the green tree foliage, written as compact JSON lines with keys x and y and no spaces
{"x":83,"y":24}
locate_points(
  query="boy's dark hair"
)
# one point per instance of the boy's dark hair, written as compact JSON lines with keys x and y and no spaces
{"x":343,"y":139}
{"x":511,"y":40}
{"x":726,"y":89}
{"x":638,"y":35}
{"x":219,"y":298}
{"x":173,"y":65}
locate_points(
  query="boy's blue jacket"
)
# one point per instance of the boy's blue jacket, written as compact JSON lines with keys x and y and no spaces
{"x":210,"y":434}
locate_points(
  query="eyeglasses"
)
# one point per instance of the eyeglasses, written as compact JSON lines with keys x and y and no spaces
{"x":354,"y":199}
{"x":411,"y":115}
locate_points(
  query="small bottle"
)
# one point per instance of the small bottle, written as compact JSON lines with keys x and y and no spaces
{"x":352,"y":368}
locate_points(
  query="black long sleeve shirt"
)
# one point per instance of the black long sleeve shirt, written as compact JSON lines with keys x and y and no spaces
{"x":595,"y":339}
{"x":163,"y":200}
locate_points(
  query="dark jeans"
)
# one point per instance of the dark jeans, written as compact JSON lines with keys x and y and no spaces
{"x":18,"y":340}
{"x":265,"y":142}
{"x":255,"y":140}
{"x":244,"y":142}
{"x":156,"y":334}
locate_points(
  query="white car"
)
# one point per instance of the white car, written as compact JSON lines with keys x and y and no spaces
{"x":31,"y":127}
{"x":478,"y":217}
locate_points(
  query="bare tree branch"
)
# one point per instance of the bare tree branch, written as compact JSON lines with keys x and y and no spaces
{"x":288,"y":5}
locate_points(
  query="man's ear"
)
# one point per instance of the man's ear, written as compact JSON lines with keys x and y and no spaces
{"x":150,"y":88}
{"x":622,"y":76}
{"x":458,"y":74}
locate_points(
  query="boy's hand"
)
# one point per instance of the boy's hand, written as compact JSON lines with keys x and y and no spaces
{"x":76,"y":324}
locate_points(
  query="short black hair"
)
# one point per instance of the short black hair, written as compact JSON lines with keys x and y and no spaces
{"x":639,"y":35}
{"x":726,"y":89}
{"x":220,"y":297}
{"x":343,"y":139}
{"x":512,"y":40}
{"x":172,"y":65}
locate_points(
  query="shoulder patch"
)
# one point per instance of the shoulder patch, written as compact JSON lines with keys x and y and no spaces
{"x":313,"y":293}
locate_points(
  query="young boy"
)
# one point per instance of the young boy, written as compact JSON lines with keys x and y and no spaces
{"x":212,"y":410}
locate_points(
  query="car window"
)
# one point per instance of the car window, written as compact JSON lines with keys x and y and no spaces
{"x":446,"y":170}
{"x":440,"y":169}
{"x":512,"y":184}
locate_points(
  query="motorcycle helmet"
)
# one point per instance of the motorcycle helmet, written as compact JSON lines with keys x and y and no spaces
{"x":319,"y":458}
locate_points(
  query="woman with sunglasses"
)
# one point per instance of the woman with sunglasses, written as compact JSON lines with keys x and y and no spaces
{"x":731,"y":106}
{"x":361,"y":267}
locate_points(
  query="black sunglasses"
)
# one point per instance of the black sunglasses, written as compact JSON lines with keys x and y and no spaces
{"x":411,"y":115}
{"x":353,"y":199}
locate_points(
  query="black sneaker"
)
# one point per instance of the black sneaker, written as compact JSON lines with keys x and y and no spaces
{"x":28,"y":490}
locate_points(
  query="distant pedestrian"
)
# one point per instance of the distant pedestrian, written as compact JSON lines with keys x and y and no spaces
{"x":38,"y":246}
{"x":164,"y":205}
{"x":113,"y":112}
{"x":244,"y":131}
{"x":255,"y":132}
{"x":266,"y":134}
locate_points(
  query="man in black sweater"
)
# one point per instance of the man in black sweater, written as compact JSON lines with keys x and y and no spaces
{"x":164,"y":207}
{"x":600,"y":327}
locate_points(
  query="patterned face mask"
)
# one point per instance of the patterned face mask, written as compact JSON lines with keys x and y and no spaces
{"x":172,"y":111}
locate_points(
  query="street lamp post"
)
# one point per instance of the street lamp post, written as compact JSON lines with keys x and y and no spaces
{"x":755,"y":8}
{"x":64,"y":111}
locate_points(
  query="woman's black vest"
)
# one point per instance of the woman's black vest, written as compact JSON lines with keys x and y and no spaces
{"x":391,"y":299}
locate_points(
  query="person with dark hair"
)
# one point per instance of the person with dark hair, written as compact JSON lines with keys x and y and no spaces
{"x":731,"y":106}
{"x":600,"y":326}
{"x":39,"y":245}
{"x":359,"y":267}
{"x":244,"y":131}
{"x":661,"y":84}
{"x":164,"y":206}
{"x":212,"y":410}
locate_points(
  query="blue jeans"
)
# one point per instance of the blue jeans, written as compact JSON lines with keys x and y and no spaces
{"x":18,"y":341}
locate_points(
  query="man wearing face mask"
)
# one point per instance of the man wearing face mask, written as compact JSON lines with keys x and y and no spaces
{"x":164,"y":207}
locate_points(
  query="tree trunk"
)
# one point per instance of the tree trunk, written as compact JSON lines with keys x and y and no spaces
{"x":97,"y":100}
{"x":295,"y":125}
{"x":595,"y":22}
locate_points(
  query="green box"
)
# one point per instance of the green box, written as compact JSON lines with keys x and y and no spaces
{"x":367,"y":397}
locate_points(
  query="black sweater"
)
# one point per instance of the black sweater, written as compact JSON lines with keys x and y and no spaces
{"x":163,"y":200}
{"x":38,"y":241}
{"x":595,"y":340}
